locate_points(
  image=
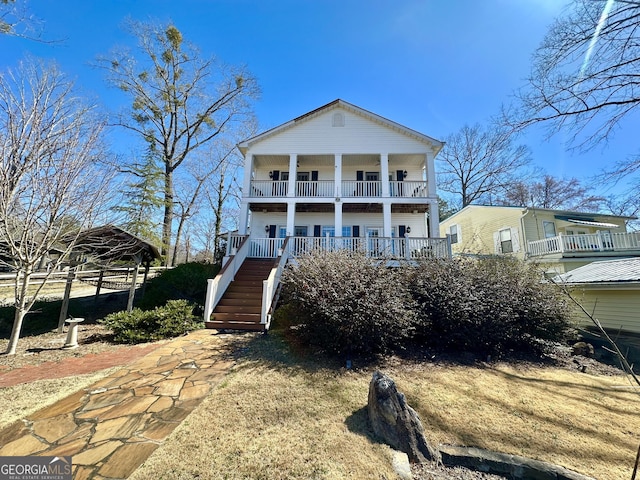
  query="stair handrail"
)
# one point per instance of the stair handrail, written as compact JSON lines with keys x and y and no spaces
{"x":270,"y":286}
{"x":218,"y":285}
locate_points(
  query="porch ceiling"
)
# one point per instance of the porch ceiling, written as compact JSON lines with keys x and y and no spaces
{"x":308,"y":162}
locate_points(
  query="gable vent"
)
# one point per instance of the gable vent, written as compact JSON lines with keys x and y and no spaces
{"x":338,"y":120}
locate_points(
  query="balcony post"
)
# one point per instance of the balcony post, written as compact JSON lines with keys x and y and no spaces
{"x":293,"y":175}
{"x":291,"y":218}
{"x":384,"y":174}
{"x":429,"y":166}
{"x":337,"y":222}
{"x":338,"y":175}
{"x":434,"y":220}
{"x":386,"y":218}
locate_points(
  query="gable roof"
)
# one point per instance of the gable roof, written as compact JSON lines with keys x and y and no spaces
{"x":435,"y":144}
{"x":608,"y":271}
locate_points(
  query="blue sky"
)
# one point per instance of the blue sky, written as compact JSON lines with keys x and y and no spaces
{"x":432,"y":65}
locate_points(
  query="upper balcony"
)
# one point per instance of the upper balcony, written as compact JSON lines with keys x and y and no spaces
{"x":346,"y":189}
{"x":604,"y":243}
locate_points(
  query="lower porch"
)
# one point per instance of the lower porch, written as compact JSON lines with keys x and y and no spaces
{"x":257,"y":292}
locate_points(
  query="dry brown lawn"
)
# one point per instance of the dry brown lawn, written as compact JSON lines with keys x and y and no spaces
{"x":279,"y":416}
{"x":22,"y":400}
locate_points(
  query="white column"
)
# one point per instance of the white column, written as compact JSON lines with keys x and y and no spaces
{"x":434,"y":220}
{"x":386,"y":219}
{"x":429,"y":165}
{"x":293,"y":175}
{"x":384,"y":173}
{"x":337,"y":223}
{"x":291,"y":217}
{"x":337,"y":177}
{"x":246,"y":191}
{"x":248,"y":175}
{"x":244,"y":217}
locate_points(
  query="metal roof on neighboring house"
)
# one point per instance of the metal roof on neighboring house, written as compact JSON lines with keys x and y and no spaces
{"x":621,"y":270}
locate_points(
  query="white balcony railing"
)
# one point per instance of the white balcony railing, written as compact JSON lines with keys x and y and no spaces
{"x":349,"y":188}
{"x":589,"y":243}
{"x":375,"y":247}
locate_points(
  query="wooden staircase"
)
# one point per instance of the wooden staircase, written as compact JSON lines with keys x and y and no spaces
{"x":240,"y":306}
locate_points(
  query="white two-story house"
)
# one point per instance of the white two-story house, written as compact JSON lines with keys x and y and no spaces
{"x":336,"y":177}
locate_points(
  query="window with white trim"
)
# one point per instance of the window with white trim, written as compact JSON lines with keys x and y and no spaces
{"x":506,"y":240}
{"x":549,"y":229}
{"x":454,"y":233}
{"x":506,"y":244}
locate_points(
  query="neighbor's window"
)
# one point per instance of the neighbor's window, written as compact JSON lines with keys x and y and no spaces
{"x":506,"y":245}
{"x":549,"y":229}
{"x":454,"y":232}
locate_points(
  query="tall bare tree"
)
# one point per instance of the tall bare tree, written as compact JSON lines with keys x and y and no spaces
{"x":180,"y":100}
{"x":478,"y":163}
{"x":584,"y":79}
{"x":51,"y":185}
{"x":554,"y":193}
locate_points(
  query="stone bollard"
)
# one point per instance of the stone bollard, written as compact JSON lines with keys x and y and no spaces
{"x":72,"y":334}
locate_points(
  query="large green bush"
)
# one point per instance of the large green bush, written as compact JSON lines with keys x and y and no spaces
{"x":347,"y":303}
{"x":187,"y":281}
{"x":487,"y":306}
{"x":174,"y":319}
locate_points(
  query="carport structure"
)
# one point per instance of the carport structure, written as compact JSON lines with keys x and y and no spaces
{"x":105,"y":246}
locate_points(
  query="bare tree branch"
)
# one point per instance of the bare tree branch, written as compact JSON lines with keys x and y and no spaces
{"x":51,"y":182}
{"x":180,"y":100}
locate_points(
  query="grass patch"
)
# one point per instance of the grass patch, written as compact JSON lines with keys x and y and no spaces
{"x":290,"y":416}
{"x":24,"y":399}
{"x":44,"y":315}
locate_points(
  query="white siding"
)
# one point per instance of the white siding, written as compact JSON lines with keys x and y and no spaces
{"x":359,"y":135}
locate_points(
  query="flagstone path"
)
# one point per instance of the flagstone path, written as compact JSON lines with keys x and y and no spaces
{"x":113,"y":426}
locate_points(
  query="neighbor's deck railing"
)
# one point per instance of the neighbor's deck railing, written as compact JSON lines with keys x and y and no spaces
{"x":589,"y":243}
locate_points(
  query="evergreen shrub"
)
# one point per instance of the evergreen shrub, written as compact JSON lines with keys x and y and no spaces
{"x":138,"y":326}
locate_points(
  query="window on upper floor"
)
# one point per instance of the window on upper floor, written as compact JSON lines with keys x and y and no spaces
{"x":549,"y":229}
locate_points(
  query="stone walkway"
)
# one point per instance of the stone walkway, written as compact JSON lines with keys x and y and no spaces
{"x":113,"y":426}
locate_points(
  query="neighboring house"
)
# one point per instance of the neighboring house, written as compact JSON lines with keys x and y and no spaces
{"x":336,"y":177}
{"x":559,"y":240}
{"x":610,"y":291}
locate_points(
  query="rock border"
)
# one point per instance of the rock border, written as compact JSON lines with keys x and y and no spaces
{"x":497,"y":463}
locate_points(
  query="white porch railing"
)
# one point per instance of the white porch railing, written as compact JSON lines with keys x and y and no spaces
{"x":409,"y":248}
{"x":589,"y":243}
{"x":217,"y":286}
{"x":408,"y":188}
{"x":315,"y":188}
{"x":348,"y":188}
{"x":357,"y":188}
{"x":269,"y":188}
{"x":271,"y":287}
